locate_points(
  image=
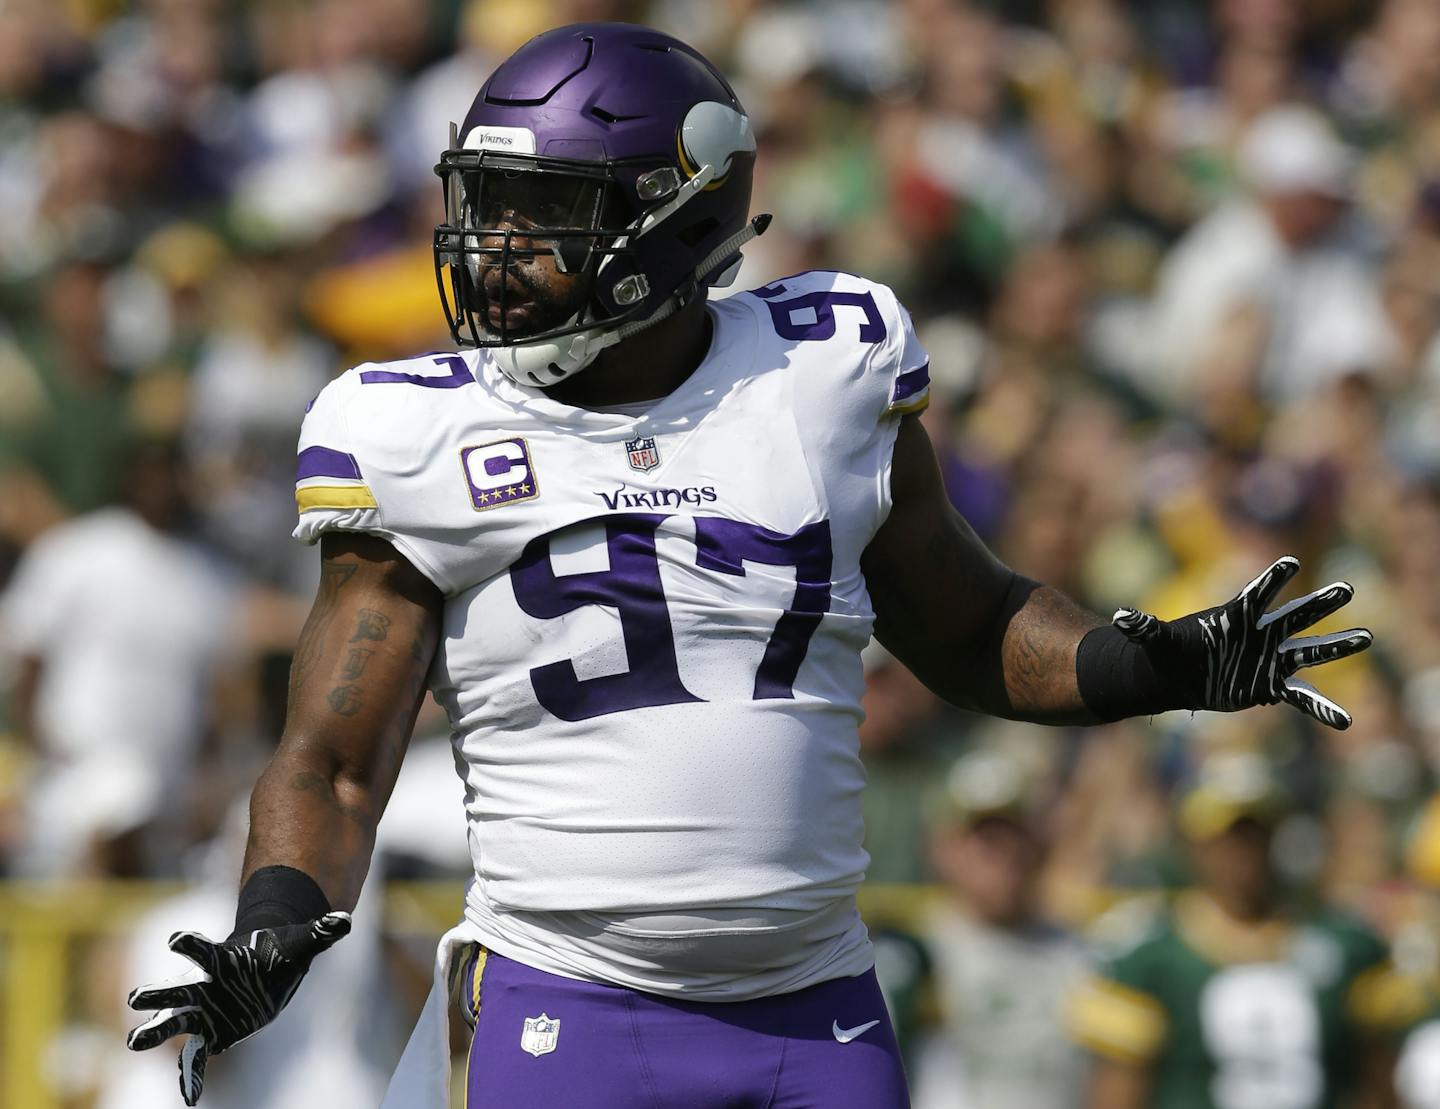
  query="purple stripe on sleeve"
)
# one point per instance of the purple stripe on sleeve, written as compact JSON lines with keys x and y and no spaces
{"x":910,"y":383}
{"x":324,"y":462}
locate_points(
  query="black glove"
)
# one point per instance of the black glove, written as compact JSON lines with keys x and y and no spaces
{"x":247,"y":980}
{"x":1238,"y":655}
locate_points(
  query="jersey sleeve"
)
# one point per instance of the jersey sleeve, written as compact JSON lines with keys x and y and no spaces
{"x":855,"y":366}
{"x":1116,"y":1013}
{"x":900,"y":371}
{"x":907,"y":366}
{"x":331,"y":491}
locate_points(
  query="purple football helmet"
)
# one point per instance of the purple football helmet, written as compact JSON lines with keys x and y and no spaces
{"x":617,"y":151}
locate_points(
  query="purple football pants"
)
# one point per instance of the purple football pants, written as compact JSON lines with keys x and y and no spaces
{"x":544,"y":1040}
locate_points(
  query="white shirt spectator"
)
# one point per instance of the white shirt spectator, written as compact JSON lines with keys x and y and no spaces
{"x":1003,"y":1044}
{"x":1288,"y":254}
{"x":128,"y":623}
{"x":1320,"y":303}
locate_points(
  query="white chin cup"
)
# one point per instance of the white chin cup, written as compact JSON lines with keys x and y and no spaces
{"x":551,"y":361}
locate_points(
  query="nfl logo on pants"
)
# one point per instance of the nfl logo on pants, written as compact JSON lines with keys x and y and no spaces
{"x":540,"y":1035}
{"x":643,"y":454}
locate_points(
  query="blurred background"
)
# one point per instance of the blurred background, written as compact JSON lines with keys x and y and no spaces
{"x":1178,"y":267}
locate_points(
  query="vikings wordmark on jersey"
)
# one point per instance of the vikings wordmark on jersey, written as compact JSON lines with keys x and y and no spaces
{"x":650,"y":656}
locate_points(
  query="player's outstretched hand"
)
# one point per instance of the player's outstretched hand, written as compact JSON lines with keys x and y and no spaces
{"x":245,"y":982}
{"x":1239,"y":655}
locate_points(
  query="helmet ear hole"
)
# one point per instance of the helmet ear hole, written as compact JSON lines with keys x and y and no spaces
{"x":712,"y":134}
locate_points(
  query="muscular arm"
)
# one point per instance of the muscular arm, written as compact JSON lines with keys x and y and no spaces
{"x":355,"y":687}
{"x":976,"y":633}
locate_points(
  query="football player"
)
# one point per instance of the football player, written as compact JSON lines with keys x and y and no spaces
{"x":1001,"y":969}
{"x":633,"y":541}
{"x":1232,"y":1000}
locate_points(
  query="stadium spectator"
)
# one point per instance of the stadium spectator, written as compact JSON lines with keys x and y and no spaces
{"x":902,"y":743}
{"x":1273,"y":294}
{"x":254,"y":372}
{"x":118,"y":623}
{"x":1001,"y":970}
{"x":1417,"y":1074}
{"x":1230,"y":997}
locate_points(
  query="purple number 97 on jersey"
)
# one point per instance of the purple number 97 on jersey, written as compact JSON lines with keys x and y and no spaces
{"x":499,"y":473}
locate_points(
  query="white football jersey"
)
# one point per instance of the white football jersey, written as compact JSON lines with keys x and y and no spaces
{"x":650,"y":651}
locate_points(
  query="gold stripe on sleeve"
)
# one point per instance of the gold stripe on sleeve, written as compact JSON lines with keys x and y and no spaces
{"x":906,"y":408}
{"x":334,"y":496}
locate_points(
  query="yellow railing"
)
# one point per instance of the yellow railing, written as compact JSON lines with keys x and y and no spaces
{"x":40,"y":924}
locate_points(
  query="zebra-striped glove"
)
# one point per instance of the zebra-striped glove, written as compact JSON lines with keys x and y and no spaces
{"x":246,"y":981}
{"x":1238,"y":655}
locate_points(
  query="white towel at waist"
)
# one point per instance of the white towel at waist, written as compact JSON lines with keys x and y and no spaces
{"x":422,"y":1077}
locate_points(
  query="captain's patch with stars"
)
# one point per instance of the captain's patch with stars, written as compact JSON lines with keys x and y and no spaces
{"x":499,"y":473}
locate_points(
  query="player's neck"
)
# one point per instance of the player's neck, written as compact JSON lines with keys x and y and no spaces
{"x":646,"y":366}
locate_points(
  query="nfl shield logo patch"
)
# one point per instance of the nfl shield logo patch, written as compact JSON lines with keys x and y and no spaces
{"x":540,"y":1035}
{"x":643,"y":455}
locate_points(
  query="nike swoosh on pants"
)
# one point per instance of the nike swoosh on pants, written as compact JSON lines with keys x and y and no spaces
{"x":845,"y":1035}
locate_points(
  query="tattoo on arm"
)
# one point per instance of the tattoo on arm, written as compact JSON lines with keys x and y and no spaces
{"x":1038,"y":656}
{"x":973,"y":631}
{"x":354,"y":665}
{"x":355,"y":690}
{"x":333,"y":578}
{"x":394,"y":742}
{"x":1029,"y":669}
{"x":344,"y":699}
{"x":372,"y":625}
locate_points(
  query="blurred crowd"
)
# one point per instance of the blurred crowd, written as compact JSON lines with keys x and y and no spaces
{"x":1178,"y":268}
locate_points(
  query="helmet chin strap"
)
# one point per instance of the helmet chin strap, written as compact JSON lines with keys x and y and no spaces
{"x":550,"y":361}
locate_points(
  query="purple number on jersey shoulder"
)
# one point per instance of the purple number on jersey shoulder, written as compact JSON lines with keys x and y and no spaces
{"x":726,"y":545}
{"x":459,"y":375}
{"x":632,"y":587}
{"x":822,"y":303}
